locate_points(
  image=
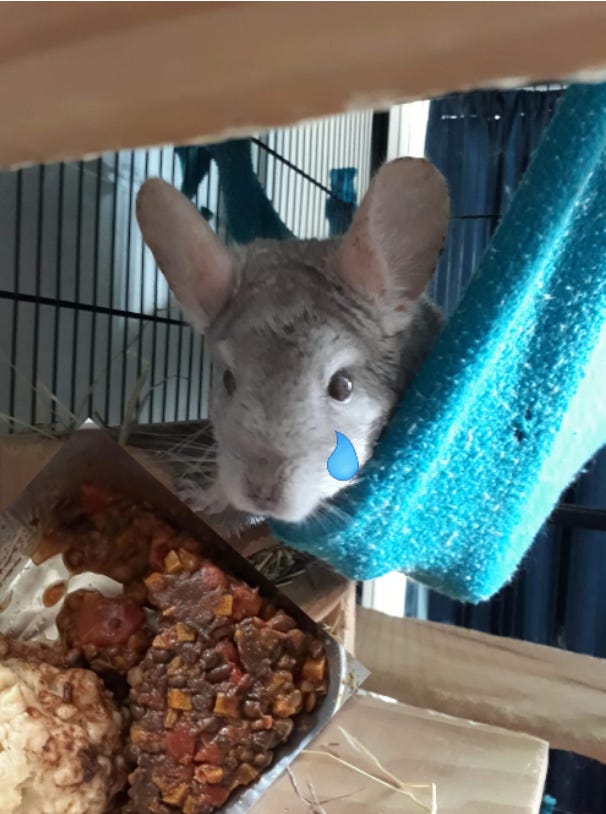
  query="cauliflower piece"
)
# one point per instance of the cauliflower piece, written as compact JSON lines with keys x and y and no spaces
{"x":60,"y":740}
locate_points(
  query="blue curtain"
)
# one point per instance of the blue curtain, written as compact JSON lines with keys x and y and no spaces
{"x":482,"y":142}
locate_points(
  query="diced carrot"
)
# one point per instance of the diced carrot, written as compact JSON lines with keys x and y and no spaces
{"x":176,"y":795}
{"x":285,"y":706}
{"x":174,"y":665}
{"x":227,"y":705}
{"x":245,"y":774}
{"x":177,"y":699}
{"x":264,"y":722}
{"x":313,"y":669}
{"x":154,"y":582}
{"x":184,"y":633}
{"x":190,"y":561}
{"x":161,"y":782}
{"x":224,"y":605}
{"x":172,"y":563}
{"x":207,"y":773}
{"x":164,"y":639}
{"x":190,"y":806}
{"x":278,"y":680}
{"x":170,"y":776}
{"x":138,"y":734}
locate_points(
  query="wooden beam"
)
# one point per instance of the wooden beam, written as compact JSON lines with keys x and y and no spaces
{"x":476,"y":768}
{"x":77,"y":79}
{"x":552,"y":694}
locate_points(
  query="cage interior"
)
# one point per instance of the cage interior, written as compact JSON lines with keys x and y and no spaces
{"x":88,"y":326}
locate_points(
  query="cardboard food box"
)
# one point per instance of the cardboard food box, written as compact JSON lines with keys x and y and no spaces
{"x":328,"y":597}
{"x":92,"y":456}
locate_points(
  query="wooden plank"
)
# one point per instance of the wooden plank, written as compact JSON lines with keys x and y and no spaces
{"x":553,"y":694}
{"x":23,"y":457}
{"x":476,"y":768}
{"x":20,"y":463}
{"x":78,"y":79}
{"x":341,"y":620}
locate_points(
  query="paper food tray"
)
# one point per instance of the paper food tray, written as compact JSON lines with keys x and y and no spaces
{"x":91,"y":455}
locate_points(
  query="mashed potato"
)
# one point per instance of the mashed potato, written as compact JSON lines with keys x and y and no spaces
{"x":60,"y":737}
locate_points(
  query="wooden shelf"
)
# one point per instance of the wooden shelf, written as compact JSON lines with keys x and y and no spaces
{"x":77,"y":79}
{"x":476,"y":768}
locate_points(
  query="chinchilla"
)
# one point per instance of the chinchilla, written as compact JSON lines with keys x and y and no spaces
{"x":307,"y":337}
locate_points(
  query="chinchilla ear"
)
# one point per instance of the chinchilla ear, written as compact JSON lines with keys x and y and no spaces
{"x":391,"y":249}
{"x":198,"y":267}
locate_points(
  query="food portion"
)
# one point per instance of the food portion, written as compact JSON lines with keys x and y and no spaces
{"x":109,"y":633}
{"x":61,"y":739}
{"x":212,"y":676}
{"x":217,"y":691}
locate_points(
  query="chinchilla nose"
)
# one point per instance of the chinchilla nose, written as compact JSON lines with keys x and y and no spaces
{"x":263,"y":481}
{"x":263,"y":489}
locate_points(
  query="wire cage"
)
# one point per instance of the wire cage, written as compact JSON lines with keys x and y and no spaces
{"x":88,"y":326}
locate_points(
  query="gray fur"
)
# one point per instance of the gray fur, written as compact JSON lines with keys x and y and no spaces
{"x":291,"y":315}
{"x":289,"y":327}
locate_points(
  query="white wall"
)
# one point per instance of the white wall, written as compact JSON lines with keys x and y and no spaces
{"x":407,"y":128}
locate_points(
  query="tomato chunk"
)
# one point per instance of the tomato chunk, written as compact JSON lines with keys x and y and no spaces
{"x":181,"y":743}
{"x":212,"y":577}
{"x":105,"y":622}
{"x":227,"y":649}
{"x":210,"y":753}
{"x":246,"y":602}
{"x":214,"y":795}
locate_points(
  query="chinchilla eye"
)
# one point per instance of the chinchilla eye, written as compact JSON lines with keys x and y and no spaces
{"x":340,"y":386}
{"x":229,"y":382}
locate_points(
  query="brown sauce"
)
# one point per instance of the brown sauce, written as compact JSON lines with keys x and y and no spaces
{"x":54,"y":594}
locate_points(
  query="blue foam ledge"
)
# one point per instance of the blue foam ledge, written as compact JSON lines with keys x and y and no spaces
{"x":512,"y":401}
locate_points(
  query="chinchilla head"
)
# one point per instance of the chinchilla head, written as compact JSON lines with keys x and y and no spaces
{"x":307,"y":337}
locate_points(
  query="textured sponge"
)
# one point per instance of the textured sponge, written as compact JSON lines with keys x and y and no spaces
{"x":512,"y":401}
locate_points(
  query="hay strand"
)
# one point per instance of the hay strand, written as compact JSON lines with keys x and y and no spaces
{"x":387,"y":779}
